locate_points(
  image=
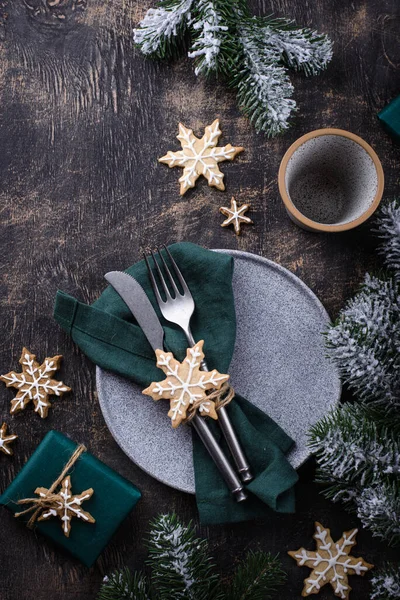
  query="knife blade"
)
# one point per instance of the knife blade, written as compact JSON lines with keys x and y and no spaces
{"x":142,"y":309}
{"x":140,"y":306}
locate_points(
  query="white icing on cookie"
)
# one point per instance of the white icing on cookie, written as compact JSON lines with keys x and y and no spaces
{"x":200,"y":156}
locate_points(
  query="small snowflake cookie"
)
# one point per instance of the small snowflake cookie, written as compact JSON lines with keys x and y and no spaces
{"x":200,"y":157}
{"x":330,"y":563}
{"x":35,"y":383}
{"x":5,"y":440}
{"x":185,"y":384}
{"x":235,"y":215}
{"x":65,"y":505}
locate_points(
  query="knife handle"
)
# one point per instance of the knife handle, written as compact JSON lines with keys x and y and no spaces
{"x":219,"y":458}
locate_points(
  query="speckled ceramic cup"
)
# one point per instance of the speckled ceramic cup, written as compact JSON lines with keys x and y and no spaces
{"x":330,"y":180}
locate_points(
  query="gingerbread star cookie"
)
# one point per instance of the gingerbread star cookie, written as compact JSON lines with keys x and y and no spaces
{"x":330,"y":563}
{"x":186,"y":384}
{"x":235,"y":215}
{"x":200,"y":156}
{"x":65,"y":505}
{"x":35,"y":383}
{"x":5,"y":440}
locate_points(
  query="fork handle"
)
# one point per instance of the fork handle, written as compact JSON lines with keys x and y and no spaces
{"x":219,"y":458}
{"x":228,"y":431}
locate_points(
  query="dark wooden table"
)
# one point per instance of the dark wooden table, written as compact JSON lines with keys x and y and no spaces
{"x":83,"y":118}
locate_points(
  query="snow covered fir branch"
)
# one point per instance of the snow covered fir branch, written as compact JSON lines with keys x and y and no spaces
{"x":357,"y":446}
{"x":181,"y":569}
{"x":389,"y":232}
{"x":253,"y":54}
{"x":124,"y":585}
{"x":365,"y":341}
{"x":386,"y":583}
{"x":359,"y":465}
{"x":180,"y":561}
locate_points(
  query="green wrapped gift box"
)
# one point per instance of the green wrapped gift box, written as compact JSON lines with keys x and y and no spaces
{"x":113,"y":499}
{"x":390,"y":118}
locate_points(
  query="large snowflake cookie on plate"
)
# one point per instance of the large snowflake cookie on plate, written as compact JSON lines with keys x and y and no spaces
{"x":200,"y":156}
{"x":35,"y":383}
{"x":330,"y":563}
{"x":186,"y":385}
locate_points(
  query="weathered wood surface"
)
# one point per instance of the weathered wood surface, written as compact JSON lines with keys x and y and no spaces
{"x":83,"y":118}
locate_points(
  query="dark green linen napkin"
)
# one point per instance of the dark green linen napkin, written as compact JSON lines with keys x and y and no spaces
{"x":108,"y":334}
{"x":390,"y":118}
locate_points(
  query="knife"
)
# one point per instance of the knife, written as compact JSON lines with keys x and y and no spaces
{"x":141,"y":308}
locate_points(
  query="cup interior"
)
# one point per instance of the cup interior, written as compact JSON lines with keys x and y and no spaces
{"x":331,"y":179}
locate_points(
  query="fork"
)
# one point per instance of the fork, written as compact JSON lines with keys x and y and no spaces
{"x":179,"y":310}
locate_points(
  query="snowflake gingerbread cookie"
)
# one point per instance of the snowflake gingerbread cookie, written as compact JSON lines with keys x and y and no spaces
{"x":235,"y":215}
{"x":65,"y":505}
{"x":35,"y":383}
{"x":185,"y":384}
{"x":5,"y":440}
{"x":330,"y":563}
{"x":200,"y":157}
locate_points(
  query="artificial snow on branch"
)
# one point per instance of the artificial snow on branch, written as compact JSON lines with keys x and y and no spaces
{"x":263,"y":87}
{"x":365,"y":343}
{"x":386,"y":583}
{"x":181,"y":569}
{"x":358,"y":446}
{"x":353,"y":449}
{"x":301,"y":49}
{"x":160,"y":26}
{"x":389,"y":232}
{"x":208,"y":33}
{"x":124,"y":585}
{"x":359,"y":464}
{"x":252,"y":53}
{"x":378,"y":508}
{"x":180,"y":561}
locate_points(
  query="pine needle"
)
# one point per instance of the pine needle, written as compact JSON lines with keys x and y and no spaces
{"x":124,"y":585}
{"x":359,"y":464}
{"x":252,"y":53}
{"x":358,"y":446}
{"x":180,"y":564}
{"x":386,"y":583}
{"x":258,"y":578}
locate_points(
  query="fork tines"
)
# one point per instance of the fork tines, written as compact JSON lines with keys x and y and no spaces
{"x":170,"y":278}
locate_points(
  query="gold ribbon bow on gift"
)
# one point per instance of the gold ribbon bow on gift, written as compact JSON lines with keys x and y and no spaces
{"x":63,"y":504}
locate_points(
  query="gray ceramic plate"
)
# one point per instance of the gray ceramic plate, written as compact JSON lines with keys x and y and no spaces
{"x":279,"y":364}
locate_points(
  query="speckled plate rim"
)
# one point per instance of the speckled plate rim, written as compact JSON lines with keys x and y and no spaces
{"x":315,"y":225}
{"x":250,"y":257}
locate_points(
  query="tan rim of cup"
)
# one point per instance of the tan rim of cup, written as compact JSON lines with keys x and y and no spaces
{"x":309,"y":223}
